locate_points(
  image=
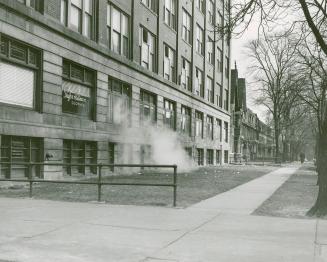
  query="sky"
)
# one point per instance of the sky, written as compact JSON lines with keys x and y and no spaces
{"x":239,"y":55}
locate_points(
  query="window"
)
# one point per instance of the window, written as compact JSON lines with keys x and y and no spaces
{"x":210,"y":127}
{"x":210,"y":95}
{"x":118,"y":31}
{"x":63,"y":12}
{"x":19,"y":149}
{"x":147,"y":43}
{"x":148,"y":107}
{"x":78,"y":15}
{"x":199,"y":40}
{"x":211,"y":12}
{"x":218,"y":157}
{"x":169,"y":63}
{"x":169,"y":13}
{"x":119,"y":102}
{"x":227,"y":67}
{"x":200,"y":5}
{"x":226,"y":156}
{"x":35,"y":4}
{"x":219,"y":95}
{"x":209,"y":157}
{"x":78,"y":90}
{"x":198,"y":124}
{"x":111,"y":155}
{"x":186,"y":80}
{"x":210,"y":48}
{"x":219,"y":60}
{"x":188,"y":151}
{"x":169,"y":117}
{"x":151,"y":4}
{"x":187,"y":27}
{"x":80,"y":152}
{"x":219,"y":129}
{"x":226,"y":98}
{"x":199,"y":86}
{"x":199,"y":152}
{"x":226,"y":131}
{"x":220,"y":23}
{"x":186,"y":120}
{"x":19,"y":74}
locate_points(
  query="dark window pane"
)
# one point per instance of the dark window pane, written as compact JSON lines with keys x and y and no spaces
{"x":17,"y":51}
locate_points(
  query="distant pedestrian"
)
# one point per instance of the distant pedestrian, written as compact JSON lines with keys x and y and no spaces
{"x":302,"y":157}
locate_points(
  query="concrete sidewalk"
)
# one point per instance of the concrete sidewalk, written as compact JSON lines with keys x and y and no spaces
{"x":218,"y":229}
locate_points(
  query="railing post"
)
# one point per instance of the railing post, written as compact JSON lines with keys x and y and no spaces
{"x":99,"y":183}
{"x":175,"y":185}
{"x":30,"y":178}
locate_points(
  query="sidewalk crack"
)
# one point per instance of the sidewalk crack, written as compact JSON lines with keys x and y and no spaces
{"x":190,"y":231}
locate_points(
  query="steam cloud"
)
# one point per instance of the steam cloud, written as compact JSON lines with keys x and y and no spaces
{"x":166,"y":146}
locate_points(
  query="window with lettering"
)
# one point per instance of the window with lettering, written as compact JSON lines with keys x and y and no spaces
{"x":78,"y":89}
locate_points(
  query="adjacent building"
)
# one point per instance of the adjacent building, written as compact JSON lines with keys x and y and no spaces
{"x":252,"y":138}
{"x":81,"y":79}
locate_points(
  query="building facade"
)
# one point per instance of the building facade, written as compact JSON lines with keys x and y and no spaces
{"x":252,"y":138}
{"x":80,"y":81}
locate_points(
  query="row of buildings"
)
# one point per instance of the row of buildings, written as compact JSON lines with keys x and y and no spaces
{"x":82,"y":80}
{"x":253,"y":140}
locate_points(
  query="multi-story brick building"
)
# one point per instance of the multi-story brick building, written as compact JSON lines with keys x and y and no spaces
{"x":74,"y":72}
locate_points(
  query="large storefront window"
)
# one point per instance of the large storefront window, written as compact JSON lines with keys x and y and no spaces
{"x":78,"y":90}
{"x":19,"y":73}
{"x":19,"y":149}
{"x":119,"y":102}
{"x":148,"y":107}
{"x":80,"y":152}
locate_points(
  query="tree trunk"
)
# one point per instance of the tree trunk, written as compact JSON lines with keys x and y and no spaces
{"x":320,"y":207}
{"x":276,"y":126}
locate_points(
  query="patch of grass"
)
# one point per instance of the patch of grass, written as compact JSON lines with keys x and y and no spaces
{"x":192,"y":187}
{"x":295,"y":197}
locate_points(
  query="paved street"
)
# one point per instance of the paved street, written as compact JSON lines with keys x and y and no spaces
{"x":218,"y":229}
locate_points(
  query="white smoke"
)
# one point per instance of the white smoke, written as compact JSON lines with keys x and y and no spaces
{"x":166,"y":146}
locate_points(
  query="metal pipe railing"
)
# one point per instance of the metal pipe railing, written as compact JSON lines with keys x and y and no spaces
{"x":99,"y":182}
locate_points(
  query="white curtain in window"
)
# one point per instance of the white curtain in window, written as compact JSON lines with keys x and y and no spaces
{"x":16,"y":85}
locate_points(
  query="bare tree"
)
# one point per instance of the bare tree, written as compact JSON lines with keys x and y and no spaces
{"x":313,"y":63}
{"x":310,"y":13}
{"x":272,"y":64}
